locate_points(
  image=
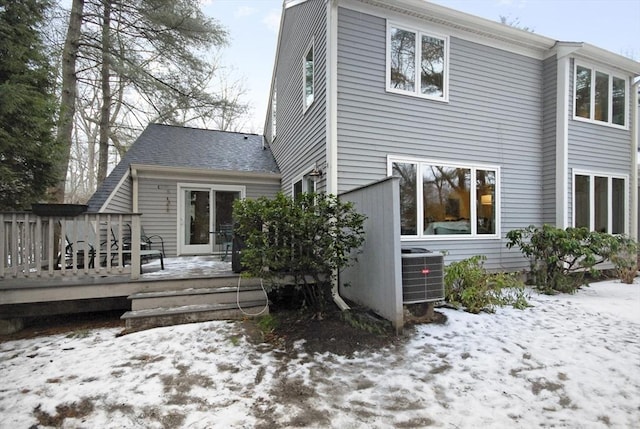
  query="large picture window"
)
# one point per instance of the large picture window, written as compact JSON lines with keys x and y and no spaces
{"x":417,"y":63}
{"x":599,"y":96}
{"x":599,"y":202}
{"x":438,"y":199}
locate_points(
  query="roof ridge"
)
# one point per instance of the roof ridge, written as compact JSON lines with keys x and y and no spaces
{"x":206,"y":129}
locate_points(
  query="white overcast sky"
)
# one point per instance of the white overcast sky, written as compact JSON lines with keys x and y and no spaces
{"x":253,"y":28}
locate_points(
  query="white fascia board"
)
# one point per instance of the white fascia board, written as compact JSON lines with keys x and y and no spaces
{"x":275,"y":66}
{"x":457,"y":24}
{"x":286,"y":4}
{"x":164,"y":172}
{"x":610,"y":59}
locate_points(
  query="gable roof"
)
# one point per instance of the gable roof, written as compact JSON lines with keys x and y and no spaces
{"x":175,"y":146}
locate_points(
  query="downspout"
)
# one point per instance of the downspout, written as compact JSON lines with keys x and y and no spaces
{"x":331,"y":79}
{"x":633,"y":228}
{"x":562,"y":135}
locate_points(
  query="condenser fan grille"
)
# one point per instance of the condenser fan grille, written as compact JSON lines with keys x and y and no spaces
{"x":422,"y":278}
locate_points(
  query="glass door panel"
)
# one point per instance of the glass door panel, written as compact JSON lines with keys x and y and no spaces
{"x":224,"y":214}
{"x":196,"y":237}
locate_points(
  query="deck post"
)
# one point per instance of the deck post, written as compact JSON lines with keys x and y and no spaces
{"x":135,"y":246}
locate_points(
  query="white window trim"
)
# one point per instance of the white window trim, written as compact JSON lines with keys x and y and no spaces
{"x":300,"y":178}
{"x":310,"y":48}
{"x":473,"y":208}
{"x":592,"y":101}
{"x":419,"y":33}
{"x":198,"y":186}
{"x":592,"y":201}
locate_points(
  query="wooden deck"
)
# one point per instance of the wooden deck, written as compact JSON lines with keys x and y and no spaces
{"x":185,"y":272}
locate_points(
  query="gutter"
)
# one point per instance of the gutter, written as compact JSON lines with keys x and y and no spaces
{"x":331,"y":77}
{"x":633,"y":228}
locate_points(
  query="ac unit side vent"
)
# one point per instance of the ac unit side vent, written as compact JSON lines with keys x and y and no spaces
{"x":422,"y":278}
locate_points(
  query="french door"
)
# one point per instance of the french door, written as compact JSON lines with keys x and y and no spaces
{"x":202,"y":209}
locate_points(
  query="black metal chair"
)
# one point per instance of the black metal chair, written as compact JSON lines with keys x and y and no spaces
{"x":225,"y":237}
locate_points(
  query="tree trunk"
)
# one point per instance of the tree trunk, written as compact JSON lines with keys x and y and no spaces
{"x":68,"y":96}
{"x":105,"y":111}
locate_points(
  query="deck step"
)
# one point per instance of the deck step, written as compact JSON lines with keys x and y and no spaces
{"x":138,"y":320}
{"x":195,"y":296}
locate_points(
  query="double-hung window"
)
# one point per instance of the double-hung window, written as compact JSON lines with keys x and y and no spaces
{"x":599,"y":202}
{"x":308,"y":71}
{"x":599,"y":96}
{"x":417,"y":63}
{"x":441,"y":199}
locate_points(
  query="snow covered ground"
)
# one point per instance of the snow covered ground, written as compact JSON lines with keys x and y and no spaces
{"x":569,"y":361}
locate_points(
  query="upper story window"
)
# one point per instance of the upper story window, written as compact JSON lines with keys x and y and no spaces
{"x":599,"y":96}
{"x":437,"y":199}
{"x":308,"y":78}
{"x":417,"y":63}
{"x":599,"y":202}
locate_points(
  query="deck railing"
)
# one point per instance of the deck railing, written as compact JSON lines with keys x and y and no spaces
{"x":91,"y":244}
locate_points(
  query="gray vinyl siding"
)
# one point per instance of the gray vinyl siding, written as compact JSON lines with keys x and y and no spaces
{"x":549,"y":101}
{"x":597,"y":148}
{"x":301,"y":136}
{"x":157,"y":201}
{"x":121,"y":200}
{"x":493,"y":116}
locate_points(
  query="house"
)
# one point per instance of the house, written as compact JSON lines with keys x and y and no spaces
{"x":184,"y":182}
{"x":485,"y":127}
{"x":445,"y":129}
{"x":496,"y":127}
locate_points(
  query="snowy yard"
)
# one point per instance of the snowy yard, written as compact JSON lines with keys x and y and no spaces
{"x":569,"y":361}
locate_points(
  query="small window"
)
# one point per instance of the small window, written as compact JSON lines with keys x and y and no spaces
{"x":305,"y":185}
{"x":437,"y":199}
{"x":417,"y":63}
{"x":308,"y":78}
{"x":599,"y":96}
{"x":599,"y":203}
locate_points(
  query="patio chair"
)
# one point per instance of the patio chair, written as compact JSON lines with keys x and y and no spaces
{"x":75,"y":234}
{"x":146,"y":252}
{"x":147,"y":241}
{"x":225,"y":235}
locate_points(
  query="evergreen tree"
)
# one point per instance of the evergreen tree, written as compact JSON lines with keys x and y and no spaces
{"x":28,"y":151}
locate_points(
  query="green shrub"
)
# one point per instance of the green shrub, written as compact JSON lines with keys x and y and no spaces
{"x":267,"y":325}
{"x":625,"y":259}
{"x":560,"y":258}
{"x":468,"y":284}
{"x":310,"y":239}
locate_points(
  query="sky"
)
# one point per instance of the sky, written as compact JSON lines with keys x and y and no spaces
{"x":530,"y":368}
{"x":253,"y":29}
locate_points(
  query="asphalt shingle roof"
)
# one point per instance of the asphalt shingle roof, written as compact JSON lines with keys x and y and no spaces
{"x":173,"y":146}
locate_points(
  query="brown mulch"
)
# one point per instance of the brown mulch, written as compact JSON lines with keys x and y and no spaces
{"x":336,"y":332}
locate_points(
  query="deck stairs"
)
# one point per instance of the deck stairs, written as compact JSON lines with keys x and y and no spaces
{"x":174,"y":306}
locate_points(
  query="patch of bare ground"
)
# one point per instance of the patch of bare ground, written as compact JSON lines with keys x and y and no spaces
{"x":75,"y":410}
{"x":338,"y":332}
